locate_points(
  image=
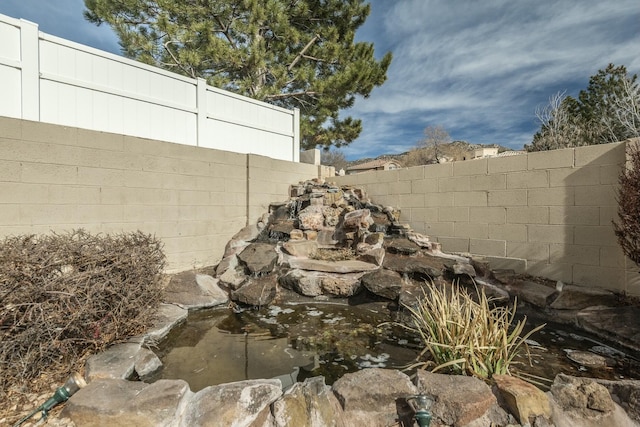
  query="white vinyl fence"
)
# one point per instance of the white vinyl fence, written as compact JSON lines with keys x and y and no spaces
{"x":49,"y":79}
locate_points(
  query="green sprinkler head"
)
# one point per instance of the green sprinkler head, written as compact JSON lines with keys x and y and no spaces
{"x":421,"y":405}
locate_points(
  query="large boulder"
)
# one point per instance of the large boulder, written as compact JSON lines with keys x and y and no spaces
{"x":259,"y":258}
{"x":257,"y":291}
{"x":371,"y":396}
{"x":460,"y":400}
{"x":524,"y":400}
{"x":121,"y":403}
{"x":308,"y":404}
{"x":384,"y":283}
{"x":582,"y":402}
{"x":242,"y":403}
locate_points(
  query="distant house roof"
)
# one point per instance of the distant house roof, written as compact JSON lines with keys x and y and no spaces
{"x":379,"y":164}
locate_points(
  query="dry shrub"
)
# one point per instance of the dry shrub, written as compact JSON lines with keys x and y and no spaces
{"x":65,"y":296}
{"x":627,"y":229}
{"x":339,"y":254}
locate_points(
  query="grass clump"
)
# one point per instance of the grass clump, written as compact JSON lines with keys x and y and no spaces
{"x":66,"y":296}
{"x":465,"y":336}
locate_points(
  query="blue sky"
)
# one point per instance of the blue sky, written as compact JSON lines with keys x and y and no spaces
{"x":477,"y":68}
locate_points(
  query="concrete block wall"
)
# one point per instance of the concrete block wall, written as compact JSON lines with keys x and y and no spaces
{"x":546,"y":213}
{"x":57,"y":178}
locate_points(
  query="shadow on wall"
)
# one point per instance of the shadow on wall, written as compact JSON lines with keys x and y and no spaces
{"x":576,"y":244}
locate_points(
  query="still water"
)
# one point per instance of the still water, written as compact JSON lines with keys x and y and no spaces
{"x":294,"y":342}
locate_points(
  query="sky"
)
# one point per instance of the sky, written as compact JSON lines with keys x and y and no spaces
{"x":477,"y":68}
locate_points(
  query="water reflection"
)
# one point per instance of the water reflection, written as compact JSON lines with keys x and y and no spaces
{"x":288,"y":342}
{"x":294,"y":342}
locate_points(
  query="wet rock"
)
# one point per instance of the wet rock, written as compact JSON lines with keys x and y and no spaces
{"x":281,"y":229}
{"x":369,"y":396}
{"x":426,"y":266}
{"x":302,"y":248}
{"x":243,"y":403}
{"x":259,"y":258}
{"x":459,"y":400}
{"x":168,"y":316}
{"x":586,"y":358}
{"x":523,"y":399}
{"x":233,"y":278}
{"x":127,"y":403}
{"x":533,"y":292}
{"x":384,"y":283}
{"x":578,"y":297}
{"x":381,"y":222}
{"x":308,"y":404}
{"x":624,"y":322}
{"x":116,"y":362}
{"x":311,"y":218}
{"x":146,"y":363}
{"x":348,"y":266}
{"x":190,"y":290}
{"x":401,"y":246}
{"x":257,"y":292}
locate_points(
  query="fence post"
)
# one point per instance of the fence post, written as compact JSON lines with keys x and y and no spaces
{"x":201,"y":107}
{"x":30,"y":69}
{"x":296,"y":136}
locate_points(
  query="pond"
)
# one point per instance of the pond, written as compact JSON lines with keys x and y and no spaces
{"x":300,"y":340}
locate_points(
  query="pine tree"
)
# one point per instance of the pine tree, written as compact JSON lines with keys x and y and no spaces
{"x":291,"y":53}
{"x":608,"y":110}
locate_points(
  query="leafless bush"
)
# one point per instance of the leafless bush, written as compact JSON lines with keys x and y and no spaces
{"x":64,"y":296}
{"x":627,"y":229}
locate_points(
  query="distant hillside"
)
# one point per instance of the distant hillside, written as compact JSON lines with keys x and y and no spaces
{"x":455,"y":150}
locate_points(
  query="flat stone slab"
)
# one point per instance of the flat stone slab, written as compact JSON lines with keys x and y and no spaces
{"x":578,"y":297}
{"x":423,"y":265}
{"x":533,"y":292}
{"x":348,"y":266}
{"x":618,"y":324}
{"x":194,"y":291}
{"x":116,"y":362}
{"x":169,"y":315}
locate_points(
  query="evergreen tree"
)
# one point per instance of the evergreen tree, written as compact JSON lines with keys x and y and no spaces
{"x":606,"y":111}
{"x":291,"y":53}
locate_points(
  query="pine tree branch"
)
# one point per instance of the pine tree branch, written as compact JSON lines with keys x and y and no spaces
{"x":189,"y":71}
{"x":300,"y":55}
{"x":290,"y":95}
